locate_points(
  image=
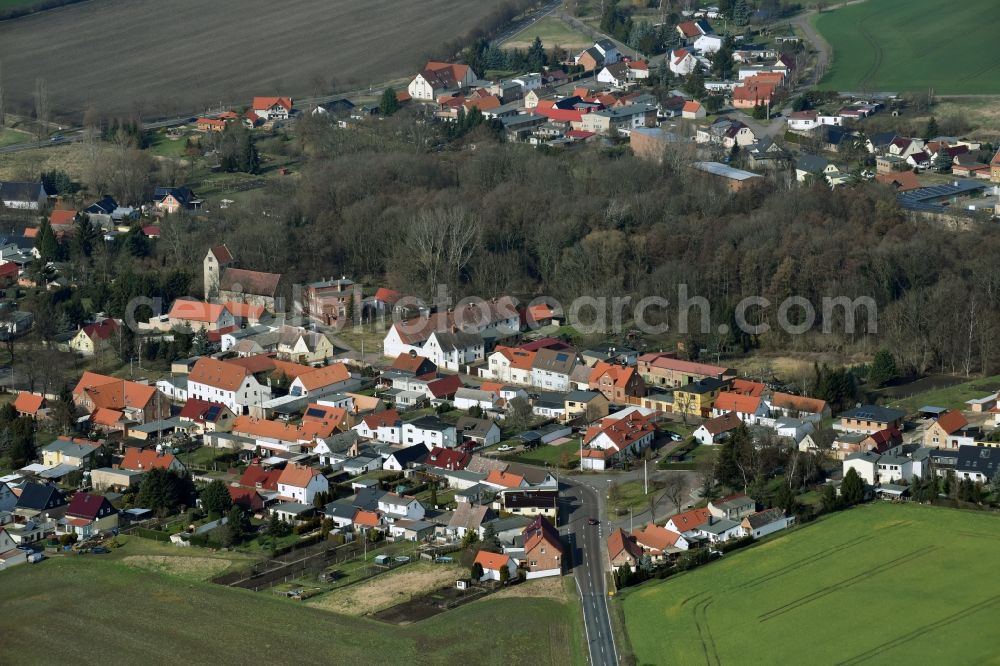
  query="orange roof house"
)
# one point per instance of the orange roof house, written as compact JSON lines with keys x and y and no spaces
{"x":140,"y":460}
{"x":689,"y":520}
{"x":28,"y":404}
{"x":62,"y":218}
{"x":335,"y":373}
{"x":505,"y":479}
{"x":658,"y":540}
{"x":622,"y":549}
{"x":218,"y":374}
{"x":493,"y":563}
{"x":728,"y":401}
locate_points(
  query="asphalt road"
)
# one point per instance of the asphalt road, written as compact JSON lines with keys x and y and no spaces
{"x":589,"y":570}
{"x":526,"y":21}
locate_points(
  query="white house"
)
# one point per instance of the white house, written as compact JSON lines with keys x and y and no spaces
{"x":509,"y":365}
{"x":300,"y":483}
{"x":612,"y":438}
{"x":719,"y":530}
{"x":321,"y":381}
{"x":608,"y":50}
{"x":232,"y":385}
{"x":7,"y":497}
{"x":401,"y":507}
{"x":715,"y":429}
{"x":10,"y":556}
{"x":796,"y":429}
{"x":385,"y":426}
{"x":552,"y":368}
{"x":23,"y":196}
{"x":402,"y":459}
{"x":682,"y":62}
{"x":430,"y":431}
{"x":529,"y":82}
{"x":272,"y":108}
{"x":708,"y":44}
{"x":438,"y":78}
{"x":492,"y":563}
{"x":766,"y":522}
{"x":875,"y":468}
{"x":465,"y":398}
{"x":747,"y":408}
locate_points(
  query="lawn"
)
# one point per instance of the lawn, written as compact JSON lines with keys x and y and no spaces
{"x":564,"y":455}
{"x":9,"y":137}
{"x":906,"y":45}
{"x":553,"y":31}
{"x":150,"y":617}
{"x":951,"y":396}
{"x":885,"y":583}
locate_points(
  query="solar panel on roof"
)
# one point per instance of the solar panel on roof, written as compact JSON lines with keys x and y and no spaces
{"x":315,"y":411}
{"x":212,"y":412}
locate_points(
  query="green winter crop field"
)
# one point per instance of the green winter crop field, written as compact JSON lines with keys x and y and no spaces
{"x":131,"y":614}
{"x":905,"y":45}
{"x":879,"y":584}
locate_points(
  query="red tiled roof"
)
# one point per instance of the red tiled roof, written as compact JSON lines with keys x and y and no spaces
{"x":264,"y":103}
{"x":408,"y":363}
{"x":297,"y":475}
{"x":191,"y":310}
{"x":798,"y":403}
{"x":735,"y":402}
{"x":491,"y":561}
{"x":62,"y":217}
{"x":384,"y":418}
{"x":85,"y":505}
{"x":256,"y":475}
{"x":106,"y":417}
{"x":334,"y":373}
{"x":218,"y":374}
{"x":28,"y":403}
{"x":101,"y":330}
{"x":619,"y":541}
{"x":657,"y":539}
{"x":196,"y":409}
{"x":139,"y":459}
{"x":222,"y":254}
{"x":387,"y":295}
{"x":952,"y":421}
{"x":255,"y":283}
{"x":691,"y":106}
{"x":447,"y":458}
{"x":690,"y":520}
{"x":244,"y":310}
{"x":622,"y":432}
{"x":505,"y":479}
{"x":444,"y":386}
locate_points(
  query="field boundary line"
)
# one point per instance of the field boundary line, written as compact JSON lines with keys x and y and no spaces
{"x":843,"y":584}
{"x":922,"y":630}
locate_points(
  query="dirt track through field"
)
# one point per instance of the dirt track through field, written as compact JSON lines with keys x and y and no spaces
{"x":181,"y":56}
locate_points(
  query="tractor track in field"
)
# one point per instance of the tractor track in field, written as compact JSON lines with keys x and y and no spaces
{"x":812,"y":559}
{"x":921,"y":631}
{"x":708,"y":647}
{"x":843,"y":584}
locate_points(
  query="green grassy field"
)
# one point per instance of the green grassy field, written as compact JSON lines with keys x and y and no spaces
{"x":553,"y":31}
{"x":9,"y":137}
{"x":161,"y":619}
{"x":551,"y":455}
{"x":878,"y":584}
{"x":952,"y":397}
{"x":902,"y":45}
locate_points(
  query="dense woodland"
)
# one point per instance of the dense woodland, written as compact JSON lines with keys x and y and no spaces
{"x":401,"y":203}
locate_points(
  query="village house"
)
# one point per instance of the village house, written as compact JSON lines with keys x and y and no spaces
{"x":10,"y":555}
{"x":659,"y":542}
{"x":227,"y":383}
{"x":697,"y":398}
{"x":492,"y":563}
{"x":870,"y":419}
{"x":245,"y":286}
{"x":617,"y":383}
{"x":89,"y":514}
{"x":733,"y":507}
{"x":209,"y":416}
{"x":682,"y":62}
{"x":608,"y":441}
{"x":875,"y":469}
{"x":543,"y":549}
{"x":948,"y":431}
{"x":332,"y":301}
{"x":171,"y":200}
{"x":623,"y":550}
{"x":272,"y":108}
{"x":726,"y":133}
{"x":321,"y":381}
{"x":693,"y":110}
{"x":95,"y":338}
{"x":979,"y":464}
{"x":23,"y":196}
{"x":126,"y":401}
{"x":748,"y":408}
{"x":438,"y":78}
{"x":143,"y":460}
{"x":797,"y":406}
{"x":716,"y":429}
{"x":31,"y":404}
{"x":666,"y":370}
{"x":430,"y":431}
{"x":300,"y":483}
{"x":762,"y":523}
{"x":197,"y":316}
{"x":588,"y":406}
{"x":74,"y":452}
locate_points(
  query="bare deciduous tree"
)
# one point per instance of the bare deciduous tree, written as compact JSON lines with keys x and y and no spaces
{"x":42,"y":107}
{"x":442,"y":242}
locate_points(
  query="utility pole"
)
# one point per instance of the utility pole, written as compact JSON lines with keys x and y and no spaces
{"x":645,"y":472}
